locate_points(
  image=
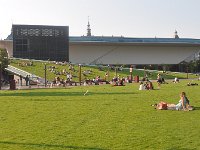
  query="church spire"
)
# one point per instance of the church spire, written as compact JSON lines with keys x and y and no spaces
{"x":176,"y":35}
{"x":88,"y":28}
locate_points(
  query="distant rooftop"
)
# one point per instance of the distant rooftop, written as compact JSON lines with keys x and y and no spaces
{"x":113,"y":39}
{"x":121,"y":39}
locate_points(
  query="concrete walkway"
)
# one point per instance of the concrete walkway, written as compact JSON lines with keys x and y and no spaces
{"x":18,"y":87}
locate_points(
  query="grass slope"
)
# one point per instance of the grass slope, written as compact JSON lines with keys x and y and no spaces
{"x":38,"y":69}
{"x":107,"y":117}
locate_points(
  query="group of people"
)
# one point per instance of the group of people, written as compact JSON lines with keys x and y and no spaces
{"x":118,"y":81}
{"x":25,"y":63}
{"x":146,"y":85}
{"x":96,"y":81}
{"x":61,"y":82}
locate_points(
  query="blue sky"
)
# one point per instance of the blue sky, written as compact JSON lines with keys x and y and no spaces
{"x":130,"y":18}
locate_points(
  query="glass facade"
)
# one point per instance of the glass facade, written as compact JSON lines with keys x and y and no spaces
{"x":41,"y":42}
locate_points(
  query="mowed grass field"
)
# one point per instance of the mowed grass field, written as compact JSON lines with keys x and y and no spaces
{"x":106,"y":118}
{"x":38,"y":69}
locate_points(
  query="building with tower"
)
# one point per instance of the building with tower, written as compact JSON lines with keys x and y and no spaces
{"x":98,"y":49}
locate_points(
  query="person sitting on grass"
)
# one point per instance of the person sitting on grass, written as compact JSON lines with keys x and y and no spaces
{"x":121,"y":82}
{"x":176,"y":80}
{"x":182,"y":102}
{"x":148,"y":85}
{"x":141,"y":87}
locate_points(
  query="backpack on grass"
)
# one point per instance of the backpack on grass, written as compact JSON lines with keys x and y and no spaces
{"x":162,"y":106}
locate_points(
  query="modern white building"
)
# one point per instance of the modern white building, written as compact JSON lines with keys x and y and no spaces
{"x":122,"y":50}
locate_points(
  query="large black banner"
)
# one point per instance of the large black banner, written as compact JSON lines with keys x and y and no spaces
{"x":41,"y":42}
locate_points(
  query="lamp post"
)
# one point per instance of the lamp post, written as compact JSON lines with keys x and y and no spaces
{"x":108,"y":72}
{"x":197,"y":65}
{"x":197,"y":62}
{"x":79,"y":74}
{"x":144,"y":72}
{"x":0,"y":74}
{"x":116,"y":71}
{"x":131,"y":73}
{"x":187,"y":71}
{"x":45,"y":75}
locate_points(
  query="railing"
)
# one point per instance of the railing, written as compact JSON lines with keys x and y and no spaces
{"x":23,"y":74}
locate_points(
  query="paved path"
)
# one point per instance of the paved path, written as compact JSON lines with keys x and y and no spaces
{"x":42,"y":86}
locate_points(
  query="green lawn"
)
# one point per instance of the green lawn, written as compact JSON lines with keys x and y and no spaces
{"x":107,"y":117}
{"x":38,"y":69}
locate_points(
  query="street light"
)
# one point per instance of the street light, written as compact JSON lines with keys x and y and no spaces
{"x":131,"y":72}
{"x":108,"y":72}
{"x":0,"y":74}
{"x":116,"y":71}
{"x":45,"y":75}
{"x":80,"y":73}
{"x":198,"y":57}
{"x":144,"y":72}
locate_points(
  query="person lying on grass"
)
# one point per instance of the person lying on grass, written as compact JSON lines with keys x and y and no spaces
{"x":183,"y":104}
{"x":191,"y":84}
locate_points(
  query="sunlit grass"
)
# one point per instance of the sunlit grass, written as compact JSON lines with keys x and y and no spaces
{"x":106,"y":117}
{"x":38,"y":69}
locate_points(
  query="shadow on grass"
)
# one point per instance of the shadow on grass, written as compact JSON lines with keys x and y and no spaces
{"x":63,"y":93}
{"x":196,"y":108}
{"x":50,"y":146}
{"x":176,"y":148}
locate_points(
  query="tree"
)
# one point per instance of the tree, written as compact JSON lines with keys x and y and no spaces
{"x":4,"y":58}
